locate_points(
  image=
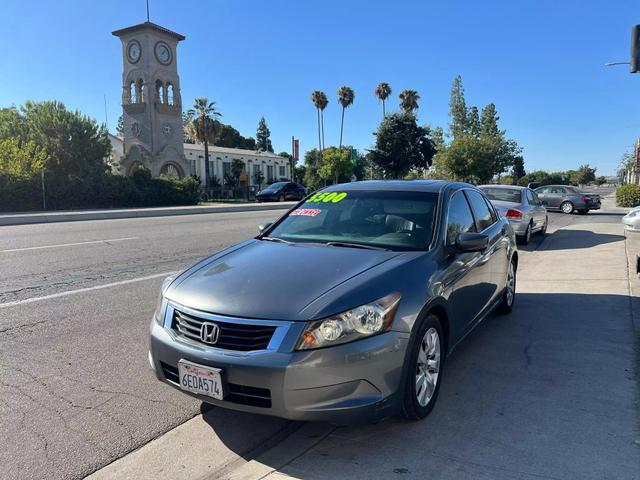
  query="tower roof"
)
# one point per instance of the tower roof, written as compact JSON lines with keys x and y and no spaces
{"x":148,"y":26}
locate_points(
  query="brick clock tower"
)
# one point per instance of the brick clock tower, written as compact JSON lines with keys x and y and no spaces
{"x":151,"y":101}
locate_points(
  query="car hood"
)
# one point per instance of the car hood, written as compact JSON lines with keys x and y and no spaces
{"x":267,"y":280}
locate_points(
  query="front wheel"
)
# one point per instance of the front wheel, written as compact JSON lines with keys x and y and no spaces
{"x":281,"y":198}
{"x":566,"y":207}
{"x":424,"y":374}
{"x":509,"y":295}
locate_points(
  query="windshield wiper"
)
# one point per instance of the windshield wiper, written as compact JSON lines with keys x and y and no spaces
{"x":355,"y":245}
{"x":275,"y":239}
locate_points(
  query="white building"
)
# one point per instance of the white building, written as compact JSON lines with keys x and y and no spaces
{"x":272,"y":166}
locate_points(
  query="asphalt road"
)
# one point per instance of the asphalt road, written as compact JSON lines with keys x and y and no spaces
{"x":75,"y":299}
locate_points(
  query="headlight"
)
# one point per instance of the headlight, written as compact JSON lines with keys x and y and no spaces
{"x":161,"y":306}
{"x":633,"y":213}
{"x":362,"y":321}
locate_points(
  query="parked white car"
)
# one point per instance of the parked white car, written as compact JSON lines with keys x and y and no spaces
{"x":631,"y":220}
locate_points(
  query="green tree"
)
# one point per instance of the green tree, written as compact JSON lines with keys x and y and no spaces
{"x":584,"y":175}
{"x":382,"y":91}
{"x":335,"y":165}
{"x":75,"y":145}
{"x":13,"y":124}
{"x":299,"y":173}
{"x":409,"y":100}
{"x":204,"y":127}
{"x":263,"y":142}
{"x":229,"y":137}
{"x":473,"y":122}
{"x":346,"y":96}
{"x":458,"y":109}
{"x":517,"y":171}
{"x":120,"y":126}
{"x":20,"y":160}
{"x":489,"y":122}
{"x":320,"y":101}
{"x":402,"y":145}
{"x":601,"y":180}
{"x":312,"y":164}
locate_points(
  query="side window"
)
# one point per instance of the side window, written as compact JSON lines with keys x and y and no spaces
{"x":494,"y":215}
{"x":459,"y":218}
{"x":536,"y":199}
{"x":557,"y":190}
{"x":542,"y":190}
{"x":481,"y":210}
{"x":530,"y":198}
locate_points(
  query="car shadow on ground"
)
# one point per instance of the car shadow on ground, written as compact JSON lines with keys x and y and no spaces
{"x":569,"y":239}
{"x":518,"y":400}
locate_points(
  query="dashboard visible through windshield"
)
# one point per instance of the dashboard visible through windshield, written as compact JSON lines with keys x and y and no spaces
{"x":387,"y":219}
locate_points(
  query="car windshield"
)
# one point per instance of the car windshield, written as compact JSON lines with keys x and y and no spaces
{"x":512,"y":195}
{"x":387,"y":219}
{"x":274,"y":186}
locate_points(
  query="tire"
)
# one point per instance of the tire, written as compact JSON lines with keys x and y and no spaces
{"x":509,"y":294}
{"x":420,"y":395}
{"x":566,"y":207}
{"x":583,"y":212}
{"x":542,"y":232}
{"x":281,"y":198}
{"x":526,"y":238}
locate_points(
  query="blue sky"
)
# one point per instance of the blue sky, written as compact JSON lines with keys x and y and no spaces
{"x":541,"y":63}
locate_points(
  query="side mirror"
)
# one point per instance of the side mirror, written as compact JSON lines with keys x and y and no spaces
{"x":264,"y":226}
{"x":472,"y":242}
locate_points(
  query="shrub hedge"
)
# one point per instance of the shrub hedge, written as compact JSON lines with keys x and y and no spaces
{"x":104,"y":191}
{"x":628,"y":195}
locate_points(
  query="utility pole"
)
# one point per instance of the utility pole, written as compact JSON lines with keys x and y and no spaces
{"x":44,"y":197}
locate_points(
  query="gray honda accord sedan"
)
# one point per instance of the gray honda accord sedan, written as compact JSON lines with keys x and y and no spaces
{"x":345,"y":309}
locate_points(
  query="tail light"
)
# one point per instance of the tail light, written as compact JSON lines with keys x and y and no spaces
{"x":514,"y":214}
{"x":585,"y":198}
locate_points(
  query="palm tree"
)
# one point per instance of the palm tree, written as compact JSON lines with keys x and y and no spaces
{"x":345,"y":97}
{"x":409,"y":100}
{"x":382,"y":91}
{"x":320,"y":100}
{"x":204,"y":128}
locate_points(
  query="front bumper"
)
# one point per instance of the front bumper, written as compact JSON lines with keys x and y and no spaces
{"x":350,"y":383}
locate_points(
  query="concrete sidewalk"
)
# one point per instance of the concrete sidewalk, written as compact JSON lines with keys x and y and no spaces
{"x":548,"y":392}
{"x":104,"y":214}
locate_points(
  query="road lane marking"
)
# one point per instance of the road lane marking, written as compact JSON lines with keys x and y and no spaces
{"x":83,"y":290}
{"x":70,"y":244}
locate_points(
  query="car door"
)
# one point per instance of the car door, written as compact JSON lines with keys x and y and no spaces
{"x":289,"y":191}
{"x":532,"y":208}
{"x":461,"y":276}
{"x":542,"y":193}
{"x":493,"y":263}
{"x":554,"y":197}
{"x":540,"y":209}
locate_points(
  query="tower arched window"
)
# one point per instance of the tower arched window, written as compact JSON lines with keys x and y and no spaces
{"x":141,"y":94}
{"x":160,"y":93}
{"x":133,"y":92}
{"x":169,"y":93}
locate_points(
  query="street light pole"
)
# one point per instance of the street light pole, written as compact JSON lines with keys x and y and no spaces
{"x":44,"y":197}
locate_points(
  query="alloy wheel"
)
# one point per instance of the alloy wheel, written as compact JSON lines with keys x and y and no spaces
{"x":567,"y":207}
{"x":428,"y":366}
{"x":511,"y":284}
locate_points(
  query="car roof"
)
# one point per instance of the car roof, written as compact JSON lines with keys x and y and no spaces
{"x":512,"y":187}
{"x":433,"y":186}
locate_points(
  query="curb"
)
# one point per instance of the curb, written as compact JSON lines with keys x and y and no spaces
{"x":51,"y":217}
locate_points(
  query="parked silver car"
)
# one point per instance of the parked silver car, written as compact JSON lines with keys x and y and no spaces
{"x":521,"y":206}
{"x":568,"y":199}
{"x":631,"y":220}
{"x":343,"y":310}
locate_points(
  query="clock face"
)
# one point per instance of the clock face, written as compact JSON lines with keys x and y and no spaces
{"x":163,"y":53}
{"x":133,"y":51}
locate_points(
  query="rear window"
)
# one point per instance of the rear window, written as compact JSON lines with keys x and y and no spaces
{"x":512,"y":195}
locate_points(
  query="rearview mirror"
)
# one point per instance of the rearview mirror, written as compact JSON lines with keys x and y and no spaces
{"x":472,"y":242}
{"x":264,"y":226}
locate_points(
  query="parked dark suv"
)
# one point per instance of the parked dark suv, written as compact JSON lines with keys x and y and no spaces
{"x":567,"y":199}
{"x":281,"y":191}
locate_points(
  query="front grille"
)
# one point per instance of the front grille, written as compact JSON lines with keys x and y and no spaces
{"x":233,"y":336}
{"x":242,"y":394}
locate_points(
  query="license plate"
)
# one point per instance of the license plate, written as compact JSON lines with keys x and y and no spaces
{"x":200,"y":379}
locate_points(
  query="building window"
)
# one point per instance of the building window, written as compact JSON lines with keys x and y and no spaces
{"x":192,"y":167}
{"x":226,"y":169}
{"x":211,"y":167}
{"x":270,"y":177}
{"x":281,"y":171}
